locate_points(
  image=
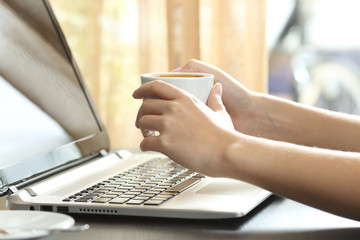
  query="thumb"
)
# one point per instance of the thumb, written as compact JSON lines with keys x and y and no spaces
{"x":214,"y":101}
{"x":177,"y":70}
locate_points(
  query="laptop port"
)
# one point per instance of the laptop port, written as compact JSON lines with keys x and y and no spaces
{"x":46,"y":208}
{"x":63,"y":209}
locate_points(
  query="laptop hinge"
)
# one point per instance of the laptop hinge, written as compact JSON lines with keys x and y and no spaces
{"x":3,"y":188}
{"x":3,"y":191}
{"x":103,"y":152}
{"x":12,"y":190}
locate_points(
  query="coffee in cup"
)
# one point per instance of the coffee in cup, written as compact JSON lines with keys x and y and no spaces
{"x":197,"y":84}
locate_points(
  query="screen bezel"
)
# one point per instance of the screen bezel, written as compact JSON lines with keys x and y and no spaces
{"x":19,"y":175}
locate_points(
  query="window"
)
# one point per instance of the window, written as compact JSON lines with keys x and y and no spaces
{"x":114,"y":41}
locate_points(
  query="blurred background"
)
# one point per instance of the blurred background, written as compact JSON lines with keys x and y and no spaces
{"x":310,"y":55}
{"x":314,"y":55}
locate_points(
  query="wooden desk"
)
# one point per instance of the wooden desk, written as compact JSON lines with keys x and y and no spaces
{"x":276,"y":218}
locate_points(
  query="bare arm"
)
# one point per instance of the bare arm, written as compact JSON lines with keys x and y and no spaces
{"x":325,"y":179}
{"x":263,"y":150}
{"x":278,"y":119}
{"x":283,"y":120}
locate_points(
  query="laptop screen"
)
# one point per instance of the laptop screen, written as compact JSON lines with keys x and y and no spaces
{"x":47,"y":118}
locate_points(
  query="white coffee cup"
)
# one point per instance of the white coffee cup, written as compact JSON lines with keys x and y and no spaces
{"x":197,"y":84}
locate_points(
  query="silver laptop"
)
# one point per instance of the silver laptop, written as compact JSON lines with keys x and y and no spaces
{"x":54,"y":150}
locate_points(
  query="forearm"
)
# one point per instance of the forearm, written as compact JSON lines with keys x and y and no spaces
{"x":283,"y":120}
{"x":325,"y":179}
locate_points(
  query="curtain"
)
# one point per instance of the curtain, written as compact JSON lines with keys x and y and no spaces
{"x":114,"y":41}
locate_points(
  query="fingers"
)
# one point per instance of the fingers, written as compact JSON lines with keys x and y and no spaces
{"x":150,"y":123}
{"x":150,"y":117}
{"x":153,"y":143}
{"x":192,"y":66}
{"x":149,"y":106}
{"x":214,"y":101}
{"x":152,"y":107}
{"x":147,"y":133}
{"x":197,"y":66}
{"x":157,"y":88}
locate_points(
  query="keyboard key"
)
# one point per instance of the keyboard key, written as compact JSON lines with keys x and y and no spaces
{"x":135,"y":191}
{"x":91,"y":196}
{"x":73,"y":196}
{"x":128,"y":195}
{"x":101,"y":200}
{"x":148,"y":185}
{"x":119,"y":200}
{"x":135,"y":202}
{"x":117,"y":191}
{"x":109,"y":195}
{"x":183,"y":185}
{"x":80,"y":194}
{"x":146,"y":195}
{"x":130,"y":185}
{"x":151,"y":191}
{"x":141,"y":198}
{"x":160,"y":198}
{"x":161,"y":189}
{"x":166,"y":194}
{"x":143,"y":189}
{"x":151,"y":183}
{"x":120,"y":182}
{"x":166,"y":185}
{"x":198,"y":175}
{"x":155,"y":181}
{"x":83,"y":200}
{"x":124,"y":189}
{"x":154,"y":202}
{"x":68,"y":199}
{"x":100,"y":191}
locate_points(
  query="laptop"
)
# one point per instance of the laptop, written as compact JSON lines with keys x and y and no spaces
{"x":55,"y":152}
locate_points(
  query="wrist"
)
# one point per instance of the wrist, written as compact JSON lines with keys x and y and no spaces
{"x":251,"y":117}
{"x":235,"y":155}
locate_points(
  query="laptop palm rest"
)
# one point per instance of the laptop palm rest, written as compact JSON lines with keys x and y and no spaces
{"x":228,"y":187}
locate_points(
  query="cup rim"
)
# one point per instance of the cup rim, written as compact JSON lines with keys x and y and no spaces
{"x":154,"y":74}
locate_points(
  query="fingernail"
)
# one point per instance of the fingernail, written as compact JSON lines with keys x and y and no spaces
{"x":134,"y":93}
{"x":218,"y":89}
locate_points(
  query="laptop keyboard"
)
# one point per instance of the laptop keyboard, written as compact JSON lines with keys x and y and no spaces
{"x":151,"y":183}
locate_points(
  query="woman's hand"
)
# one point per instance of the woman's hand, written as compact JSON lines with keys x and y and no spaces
{"x":238,"y":100}
{"x":190,"y":133}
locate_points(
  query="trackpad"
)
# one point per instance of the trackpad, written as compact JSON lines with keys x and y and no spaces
{"x":229,"y":187}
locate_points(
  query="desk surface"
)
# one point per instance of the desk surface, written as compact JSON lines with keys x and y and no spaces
{"x":276,"y":218}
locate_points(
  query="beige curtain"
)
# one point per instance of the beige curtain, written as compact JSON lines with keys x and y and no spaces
{"x":114,"y":41}
{"x":227,"y":33}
